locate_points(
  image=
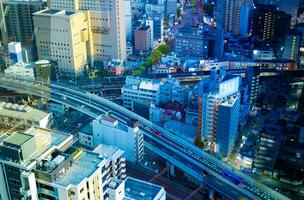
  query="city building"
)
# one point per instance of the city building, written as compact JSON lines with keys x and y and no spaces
{"x":23,"y":116}
{"x":267,"y":21}
{"x":141,"y":190}
{"x":15,"y":52}
{"x":292,"y":46}
{"x":219,"y":110}
{"x":140,"y":90}
{"x":106,"y":24}
{"x":128,"y":20}
{"x":199,"y":43}
{"x":171,"y":90}
{"x":21,"y":70}
{"x":128,"y":137}
{"x":115,"y":67}
{"x":142,"y":40}
{"x":18,"y":23}
{"x":63,"y":37}
{"x":253,"y":82}
{"x":230,"y":13}
{"x":42,"y":164}
{"x":268,"y":147}
{"x":43,"y":70}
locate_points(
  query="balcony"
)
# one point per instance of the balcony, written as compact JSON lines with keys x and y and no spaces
{"x":24,"y":192}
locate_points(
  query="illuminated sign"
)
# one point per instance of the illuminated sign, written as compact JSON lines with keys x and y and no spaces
{"x":229,"y":87}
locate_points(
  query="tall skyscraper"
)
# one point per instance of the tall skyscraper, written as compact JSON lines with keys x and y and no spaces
{"x":289,"y":7}
{"x":229,"y":14}
{"x":267,"y":23}
{"x":219,"y":111}
{"x":107,"y":25}
{"x":292,"y":46}
{"x":63,"y":37}
{"x":16,"y":20}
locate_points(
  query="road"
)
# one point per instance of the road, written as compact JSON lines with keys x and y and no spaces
{"x":174,"y":189}
{"x":179,"y":152}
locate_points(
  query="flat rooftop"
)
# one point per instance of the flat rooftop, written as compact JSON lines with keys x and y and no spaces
{"x":108,"y":152}
{"x":140,"y":190}
{"x":83,"y":167}
{"x":18,"y":139}
{"x":21,"y":112}
{"x":44,"y":140}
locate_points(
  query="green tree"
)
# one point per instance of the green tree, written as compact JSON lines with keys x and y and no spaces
{"x":156,"y":56}
{"x":164,"y":48}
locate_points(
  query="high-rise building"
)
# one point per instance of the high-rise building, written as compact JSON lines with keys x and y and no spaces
{"x":142,"y":40}
{"x":128,"y":20}
{"x":267,"y":23}
{"x":219,"y":108}
{"x":253,"y":82}
{"x":292,"y":46}
{"x":16,"y":20}
{"x":107,"y":25}
{"x":228,"y":14}
{"x":267,"y":149}
{"x":63,"y":37}
{"x":41,"y":164}
{"x":289,"y":7}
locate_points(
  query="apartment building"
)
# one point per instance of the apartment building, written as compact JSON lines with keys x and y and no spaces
{"x":42,"y":164}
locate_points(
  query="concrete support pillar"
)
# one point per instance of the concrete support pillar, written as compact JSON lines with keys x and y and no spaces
{"x":211,"y":193}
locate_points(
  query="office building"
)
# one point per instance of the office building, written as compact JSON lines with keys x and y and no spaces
{"x":253,"y":82}
{"x":229,"y":14}
{"x":142,"y":40}
{"x":171,"y":90}
{"x":267,"y":149}
{"x":140,"y":90}
{"x":21,"y":70}
{"x":18,"y":23}
{"x":107,"y":26}
{"x":170,"y":7}
{"x":267,"y":21}
{"x":63,"y":37}
{"x":128,"y":20}
{"x":219,"y":109}
{"x":43,"y":70}
{"x":23,"y":116}
{"x":15,"y":52}
{"x":292,"y":46}
{"x":199,"y":42}
{"x":289,"y":7}
{"x":41,"y":164}
{"x":129,"y":138}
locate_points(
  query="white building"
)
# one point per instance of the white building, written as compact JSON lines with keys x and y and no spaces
{"x":23,"y":116}
{"x":171,"y":90}
{"x":129,"y":138}
{"x":140,"y":90}
{"x":39,"y":167}
{"x":21,"y":70}
{"x":219,"y":111}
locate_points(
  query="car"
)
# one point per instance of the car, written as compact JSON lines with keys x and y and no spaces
{"x":158,"y":133}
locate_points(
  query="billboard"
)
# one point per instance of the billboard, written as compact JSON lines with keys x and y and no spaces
{"x":229,"y":87}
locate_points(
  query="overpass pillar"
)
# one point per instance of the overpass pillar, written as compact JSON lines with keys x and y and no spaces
{"x":171,"y":170}
{"x":211,"y":193}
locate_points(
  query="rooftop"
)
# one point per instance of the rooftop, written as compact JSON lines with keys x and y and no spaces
{"x":108,"y":152}
{"x":140,"y":190}
{"x":21,"y":112}
{"x":18,"y":138}
{"x":83,"y":167}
